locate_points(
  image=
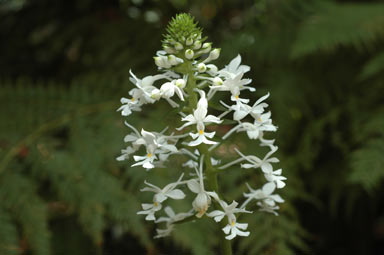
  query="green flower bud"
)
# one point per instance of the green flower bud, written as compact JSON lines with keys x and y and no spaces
{"x":189,"y":54}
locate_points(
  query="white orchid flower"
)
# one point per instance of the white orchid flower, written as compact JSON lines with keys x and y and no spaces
{"x":157,"y":147}
{"x":169,"y":191}
{"x":199,"y":118}
{"x":233,"y":227}
{"x":168,"y":89}
{"x":234,"y":85}
{"x":267,"y":199}
{"x":170,"y":220}
{"x":264,"y":164}
{"x":203,"y":198}
{"x":150,"y":210}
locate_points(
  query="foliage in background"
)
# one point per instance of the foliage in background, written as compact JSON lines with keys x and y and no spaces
{"x":61,"y":190}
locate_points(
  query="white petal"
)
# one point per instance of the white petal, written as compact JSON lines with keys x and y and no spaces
{"x":254,"y":134}
{"x":280,"y":184}
{"x":194,"y":186}
{"x":213,"y":119}
{"x":231,"y":236}
{"x":160,"y":197}
{"x":169,"y":211}
{"x":268,"y":188}
{"x":130,"y":138}
{"x":176,"y":194}
{"x":277,"y":198}
{"x":148,"y":165}
{"x":266,"y":167}
{"x":242,"y":226}
{"x":198,"y":141}
{"x":239,"y":115}
{"x":226,"y":229}
{"x":242,"y":233}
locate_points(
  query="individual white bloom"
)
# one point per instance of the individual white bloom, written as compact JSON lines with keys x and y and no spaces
{"x":234,"y":68}
{"x":145,"y":86}
{"x":131,"y":138}
{"x":276,"y":177}
{"x":264,"y":164}
{"x":267,"y":201}
{"x":199,"y":118}
{"x":241,"y":109}
{"x":254,"y":130}
{"x":172,"y":216}
{"x":168,"y":89}
{"x":169,"y":191}
{"x":189,"y":54}
{"x":155,"y":144}
{"x":229,"y":211}
{"x":235,"y":229}
{"x":170,"y":220}
{"x":129,"y":105}
{"x":232,"y":229}
{"x":150,"y":210}
{"x":203,"y":198}
{"x":234,"y":85}
{"x":145,"y":161}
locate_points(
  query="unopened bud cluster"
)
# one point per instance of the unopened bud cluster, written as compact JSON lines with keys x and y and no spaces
{"x":186,"y":75}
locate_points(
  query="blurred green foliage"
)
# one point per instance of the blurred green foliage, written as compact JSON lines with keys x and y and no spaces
{"x":64,"y":66}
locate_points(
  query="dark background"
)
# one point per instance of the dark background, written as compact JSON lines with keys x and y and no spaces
{"x":64,"y":65}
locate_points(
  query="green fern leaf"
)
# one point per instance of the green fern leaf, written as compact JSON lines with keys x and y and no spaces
{"x":340,"y":24}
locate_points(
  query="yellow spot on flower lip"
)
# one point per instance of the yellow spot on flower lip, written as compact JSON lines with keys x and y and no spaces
{"x":133,"y":99}
{"x":201,"y":131}
{"x":149,"y":155}
{"x":155,"y":204}
{"x":259,"y":119}
{"x":237,"y":97}
{"x":233,"y":223}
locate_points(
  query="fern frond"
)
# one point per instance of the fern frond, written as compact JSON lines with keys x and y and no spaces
{"x":340,"y":24}
{"x":9,"y":237}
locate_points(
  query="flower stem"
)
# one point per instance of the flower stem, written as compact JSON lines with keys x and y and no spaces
{"x":211,"y":173}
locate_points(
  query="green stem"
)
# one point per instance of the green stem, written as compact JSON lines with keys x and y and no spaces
{"x":211,"y":172}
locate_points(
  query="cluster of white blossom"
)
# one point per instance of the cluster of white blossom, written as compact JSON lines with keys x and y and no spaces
{"x":187,"y":62}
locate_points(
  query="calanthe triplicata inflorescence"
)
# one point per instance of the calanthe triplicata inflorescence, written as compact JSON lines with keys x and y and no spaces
{"x":188,"y":80}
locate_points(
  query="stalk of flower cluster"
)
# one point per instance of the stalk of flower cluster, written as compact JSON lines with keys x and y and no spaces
{"x":210,"y":171}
